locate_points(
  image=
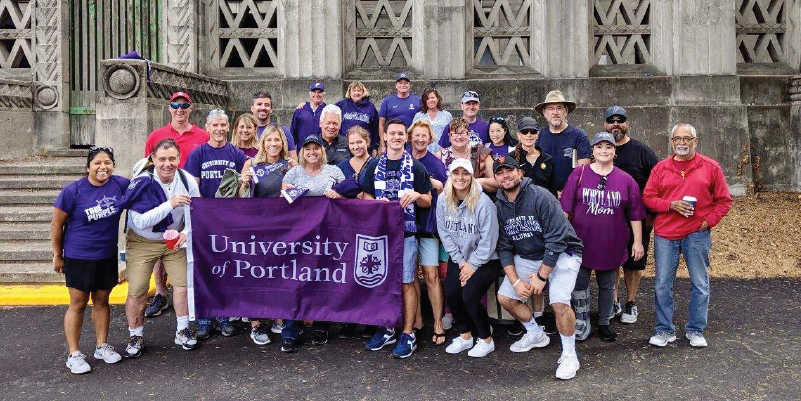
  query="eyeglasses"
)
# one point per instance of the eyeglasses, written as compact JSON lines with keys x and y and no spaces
{"x":176,"y":105}
{"x":619,"y":120}
{"x":602,"y":184}
{"x":95,"y":149}
{"x":460,"y":134}
{"x":685,"y":139}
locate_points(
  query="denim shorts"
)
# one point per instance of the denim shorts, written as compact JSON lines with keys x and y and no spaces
{"x":561,"y":281}
{"x":409,"y":259}
{"x":429,"y":251}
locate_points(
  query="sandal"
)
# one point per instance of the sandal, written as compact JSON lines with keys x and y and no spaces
{"x":437,"y":336}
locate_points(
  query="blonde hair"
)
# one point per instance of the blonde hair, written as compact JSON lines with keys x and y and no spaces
{"x":357,"y":85}
{"x":471,"y":200}
{"x":261,"y":156}
{"x":357,"y":130}
{"x":248,"y":119}
{"x":421,"y":123}
{"x":302,"y":153}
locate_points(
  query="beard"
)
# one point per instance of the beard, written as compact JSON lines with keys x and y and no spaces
{"x":682,"y":150}
{"x":619,"y":135}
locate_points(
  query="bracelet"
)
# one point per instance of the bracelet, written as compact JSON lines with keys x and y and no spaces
{"x":515,"y":284}
{"x":544,"y":280}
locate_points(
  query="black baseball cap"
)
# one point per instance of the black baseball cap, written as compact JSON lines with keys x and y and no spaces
{"x":312,"y":139}
{"x":508,"y":162}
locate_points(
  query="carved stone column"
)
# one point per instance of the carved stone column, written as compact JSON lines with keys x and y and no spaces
{"x":51,"y":73}
{"x":795,"y":132}
{"x":566,"y":39}
{"x":438,"y":36}
{"x":312,"y":38}
{"x":180,"y":50}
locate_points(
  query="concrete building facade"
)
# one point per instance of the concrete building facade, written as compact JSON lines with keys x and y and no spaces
{"x":729,"y":67}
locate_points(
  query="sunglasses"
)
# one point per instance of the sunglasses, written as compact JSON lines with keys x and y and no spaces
{"x":619,"y":120}
{"x":529,"y":132}
{"x":176,"y":105}
{"x":95,"y":149}
{"x":499,"y":120}
{"x":470,"y":94}
{"x":602,"y":184}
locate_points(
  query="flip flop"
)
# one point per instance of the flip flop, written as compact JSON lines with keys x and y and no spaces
{"x":436,"y":337}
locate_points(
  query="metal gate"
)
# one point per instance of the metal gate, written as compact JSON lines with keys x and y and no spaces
{"x":104,"y":29}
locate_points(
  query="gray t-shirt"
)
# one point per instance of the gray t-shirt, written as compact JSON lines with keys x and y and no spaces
{"x":316,"y":184}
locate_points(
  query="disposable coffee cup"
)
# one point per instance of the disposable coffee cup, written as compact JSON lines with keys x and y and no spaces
{"x":171,"y":237}
{"x":691,"y":200}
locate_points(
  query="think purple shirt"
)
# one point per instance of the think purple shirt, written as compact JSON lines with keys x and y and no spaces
{"x":479,"y":134}
{"x":601,"y":217}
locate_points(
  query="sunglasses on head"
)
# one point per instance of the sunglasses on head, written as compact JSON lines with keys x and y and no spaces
{"x":95,"y":149}
{"x":176,"y":105}
{"x":616,"y":120}
{"x":602,"y":184}
{"x":498,"y":120}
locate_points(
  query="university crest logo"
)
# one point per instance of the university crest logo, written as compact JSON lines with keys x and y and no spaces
{"x":371,"y":260}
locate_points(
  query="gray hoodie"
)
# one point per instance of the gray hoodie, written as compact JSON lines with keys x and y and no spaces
{"x":534,"y":227}
{"x":468,"y":237}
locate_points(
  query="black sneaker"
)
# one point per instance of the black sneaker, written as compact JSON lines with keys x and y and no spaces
{"x":547,"y":323}
{"x":516,"y":329}
{"x":288,"y":345}
{"x":348,"y":331}
{"x":320,"y":337}
{"x":369,"y":331}
{"x":605,"y":333}
{"x":157,"y":305}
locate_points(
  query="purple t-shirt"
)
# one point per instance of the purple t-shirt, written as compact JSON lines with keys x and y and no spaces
{"x":305,"y":122}
{"x":403,"y":109}
{"x":249,"y":152}
{"x":426,"y":217}
{"x":601,"y":217}
{"x":290,"y":142}
{"x":479,"y":134}
{"x":209,"y":164}
{"x":93,"y":221}
{"x":499,"y":151}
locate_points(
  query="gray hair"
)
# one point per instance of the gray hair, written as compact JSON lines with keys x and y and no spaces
{"x":331,"y":109}
{"x":684,"y":125}
{"x":215,"y":114}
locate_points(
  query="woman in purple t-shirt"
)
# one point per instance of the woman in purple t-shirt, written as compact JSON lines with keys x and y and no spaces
{"x":244,"y":136}
{"x":83,"y":234}
{"x":601,"y":200}
{"x":501,"y":142}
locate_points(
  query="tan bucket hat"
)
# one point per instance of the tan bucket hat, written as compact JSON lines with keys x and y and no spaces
{"x":555,"y":97}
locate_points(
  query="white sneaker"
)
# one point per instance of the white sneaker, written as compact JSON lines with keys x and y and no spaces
{"x":107,"y":354}
{"x":481,"y":349}
{"x":259,"y":334}
{"x":459,"y":344}
{"x":77,"y":364}
{"x":568,"y":366}
{"x":278,"y":326}
{"x":529,"y":341}
{"x":662,"y":339}
{"x":697,"y":340}
{"x":185,"y":339}
{"x":447,"y":322}
{"x":630,"y":313}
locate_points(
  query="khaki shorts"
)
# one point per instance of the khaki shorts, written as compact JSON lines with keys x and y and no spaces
{"x":141,"y":255}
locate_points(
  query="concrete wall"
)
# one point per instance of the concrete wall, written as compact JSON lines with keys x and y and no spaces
{"x":17,"y":132}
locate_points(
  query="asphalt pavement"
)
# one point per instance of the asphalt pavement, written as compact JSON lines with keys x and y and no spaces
{"x":754,"y":354}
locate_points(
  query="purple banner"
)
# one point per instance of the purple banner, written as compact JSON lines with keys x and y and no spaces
{"x":316,"y":259}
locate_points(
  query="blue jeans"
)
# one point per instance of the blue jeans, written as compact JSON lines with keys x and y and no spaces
{"x":695,"y":248}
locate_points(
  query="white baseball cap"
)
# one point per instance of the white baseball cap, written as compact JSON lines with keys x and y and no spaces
{"x":463,"y":163}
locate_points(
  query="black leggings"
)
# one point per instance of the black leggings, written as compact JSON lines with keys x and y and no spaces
{"x":465,"y":302}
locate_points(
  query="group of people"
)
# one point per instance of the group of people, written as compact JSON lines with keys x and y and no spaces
{"x":542,"y":210}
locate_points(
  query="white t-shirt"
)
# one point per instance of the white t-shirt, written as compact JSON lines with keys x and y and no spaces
{"x":142,"y":223}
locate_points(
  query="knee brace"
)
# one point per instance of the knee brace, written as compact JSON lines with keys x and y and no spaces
{"x":580,"y":301}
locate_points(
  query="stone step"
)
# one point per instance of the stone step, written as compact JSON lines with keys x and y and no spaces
{"x":26,"y":251}
{"x":28,"y":168}
{"x":40,"y":182}
{"x":29,"y":272}
{"x":24,"y":231}
{"x":27,"y":197}
{"x":67,"y":153}
{"x":26,"y":213}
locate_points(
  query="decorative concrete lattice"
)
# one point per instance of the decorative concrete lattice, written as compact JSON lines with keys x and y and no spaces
{"x":15,"y":36}
{"x":243,"y":33}
{"x":502,"y":32}
{"x":180,"y":34}
{"x":622,"y":32}
{"x":15,"y":94}
{"x":761,"y":27}
{"x":383,"y":34}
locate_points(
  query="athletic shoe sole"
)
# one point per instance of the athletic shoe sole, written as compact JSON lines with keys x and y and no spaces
{"x":390,"y":342}
{"x":158,"y":312}
{"x":186,"y":347}
{"x":625,"y":320}
{"x":78,"y":373}
{"x":134,"y":356}
{"x":259,"y":342}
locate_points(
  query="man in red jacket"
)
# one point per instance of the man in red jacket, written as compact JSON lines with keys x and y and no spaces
{"x":689,"y":194}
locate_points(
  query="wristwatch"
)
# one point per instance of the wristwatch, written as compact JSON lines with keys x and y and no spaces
{"x":544,"y":280}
